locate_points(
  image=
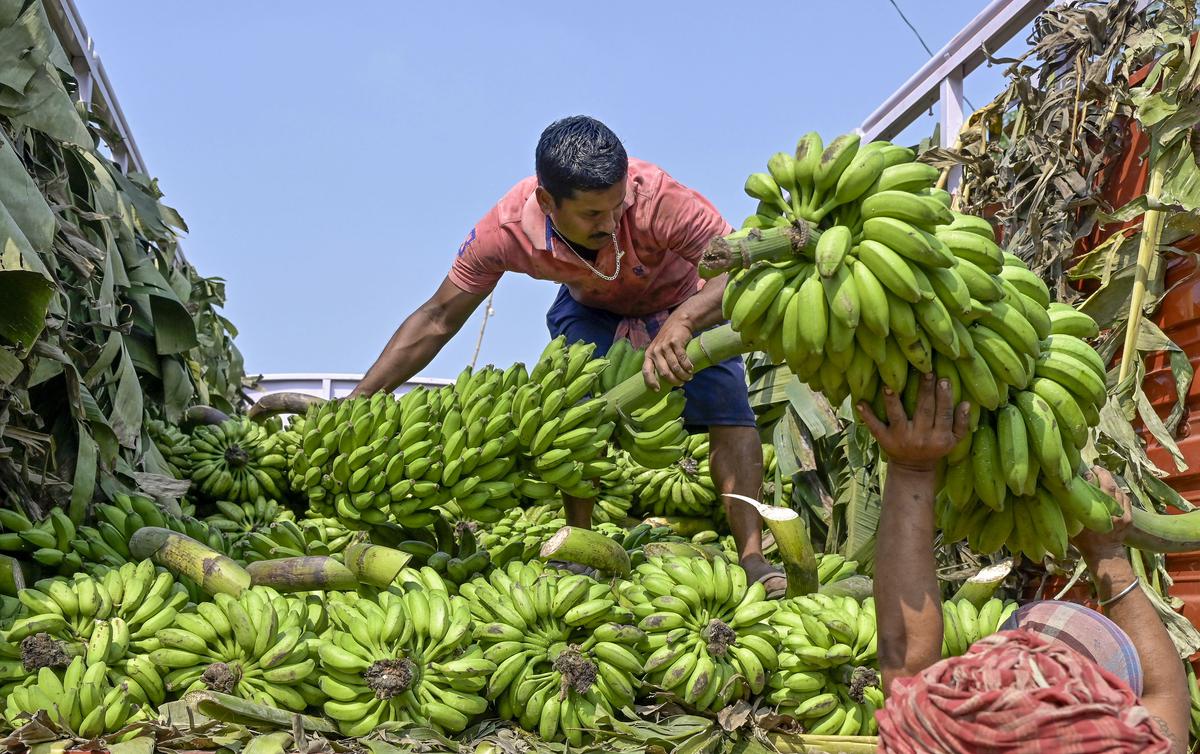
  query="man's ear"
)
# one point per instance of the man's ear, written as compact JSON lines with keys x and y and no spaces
{"x":544,"y":200}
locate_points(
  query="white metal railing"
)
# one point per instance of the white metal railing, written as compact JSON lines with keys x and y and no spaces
{"x":95,"y":90}
{"x":325,"y":384}
{"x":941,"y":78}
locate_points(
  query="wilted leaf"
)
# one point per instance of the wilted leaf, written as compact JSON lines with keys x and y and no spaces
{"x":24,"y":299}
{"x":174,"y":330}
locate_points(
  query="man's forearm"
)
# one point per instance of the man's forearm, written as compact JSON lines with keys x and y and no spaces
{"x":410,"y":349}
{"x":908,"y":604}
{"x":1161,"y":667}
{"x":704,"y":309}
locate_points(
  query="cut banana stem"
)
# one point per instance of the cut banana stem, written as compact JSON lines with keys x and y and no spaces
{"x":982,"y":586}
{"x":200,"y":415}
{"x":1158,"y":532}
{"x":231,"y":709}
{"x":589,"y":548}
{"x":374,"y":564}
{"x":282,"y":403}
{"x":740,"y":250}
{"x":184,"y":556}
{"x":795,"y":546}
{"x":708,"y":348}
{"x":302,"y":574}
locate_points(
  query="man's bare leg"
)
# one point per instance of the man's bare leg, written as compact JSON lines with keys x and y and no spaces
{"x":735,"y":457}
{"x":578,"y":512}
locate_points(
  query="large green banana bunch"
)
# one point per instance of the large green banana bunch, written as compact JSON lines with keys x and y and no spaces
{"x":452,"y":550}
{"x":403,"y":656}
{"x":896,"y":286}
{"x":560,"y":431}
{"x":564,"y":653}
{"x":652,"y":432}
{"x":707,"y":630}
{"x":174,"y":445}
{"x":79,"y":699}
{"x":826,"y":677}
{"x":370,"y":461}
{"x":256,"y":646}
{"x":114,"y":619}
{"x":964,"y":624}
{"x":239,"y":519}
{"x":48,"y":542}
{"x":237,"y":460}
{"x":293,"y":539}
{"x":685,"y":488}
{"x":521,"y":534}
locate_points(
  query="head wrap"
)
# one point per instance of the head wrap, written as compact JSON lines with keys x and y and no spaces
{"x":1085,"y":631}
{"x":1016,"y":692}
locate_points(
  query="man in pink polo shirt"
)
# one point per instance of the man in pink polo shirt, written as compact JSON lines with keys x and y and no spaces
{"x":623,"y":239}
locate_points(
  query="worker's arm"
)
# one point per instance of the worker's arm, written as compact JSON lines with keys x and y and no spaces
{"x":419,"y":338}
{"x":908,"y":603}
{"x":1164,"y":685}
{"x":666,"y":356}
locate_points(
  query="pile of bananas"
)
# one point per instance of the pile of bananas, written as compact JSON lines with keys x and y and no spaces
{"x":563,"y":651}
{"x":174,"y":445}
{"x":47,"y":542}
{"x":294,"y":539}
{"x":114,"y":619}
{"x":521,"y":534}
{"x":79,"y":699}
{"x":406,"y":657}
{"x":897,"y":286}
{"x":685,"y":488}
{"x":826,"y":677}
{"x":237,"y":460}
{"x":471,"y":445}
{"x":707,"y":630}
{"x":965,"y":624}
{"x":452,"y":550}
{"x":256,"y":646}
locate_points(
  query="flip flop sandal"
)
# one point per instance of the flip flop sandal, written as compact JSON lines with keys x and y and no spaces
{"x":779,"y":591}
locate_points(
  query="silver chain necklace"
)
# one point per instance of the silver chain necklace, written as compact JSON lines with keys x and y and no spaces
{"x":586,"y":263}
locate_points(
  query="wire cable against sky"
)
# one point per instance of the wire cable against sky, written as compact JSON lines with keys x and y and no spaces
{"x":921,"y":39}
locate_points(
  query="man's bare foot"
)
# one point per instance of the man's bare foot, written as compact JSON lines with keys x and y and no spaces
{"x":759,"y":568}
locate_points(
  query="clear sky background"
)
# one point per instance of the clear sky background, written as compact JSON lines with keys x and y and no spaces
{"x":331,"y":157}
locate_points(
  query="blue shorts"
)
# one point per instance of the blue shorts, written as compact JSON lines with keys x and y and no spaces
{"x":716,"y":396}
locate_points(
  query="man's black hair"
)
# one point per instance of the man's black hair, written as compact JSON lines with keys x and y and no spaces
{"x":579,"y":154}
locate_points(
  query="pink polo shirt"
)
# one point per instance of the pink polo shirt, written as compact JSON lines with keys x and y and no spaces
{"x":663,"y":230}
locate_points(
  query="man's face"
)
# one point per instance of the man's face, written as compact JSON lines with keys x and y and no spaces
{"x":589,"y":217}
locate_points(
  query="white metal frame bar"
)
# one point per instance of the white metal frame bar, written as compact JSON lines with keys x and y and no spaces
{"x":941,"y":78}
{"x":943,"y":73}
{"x":95,"y":89}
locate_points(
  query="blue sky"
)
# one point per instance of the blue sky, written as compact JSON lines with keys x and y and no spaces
{"x":330,"y":158}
